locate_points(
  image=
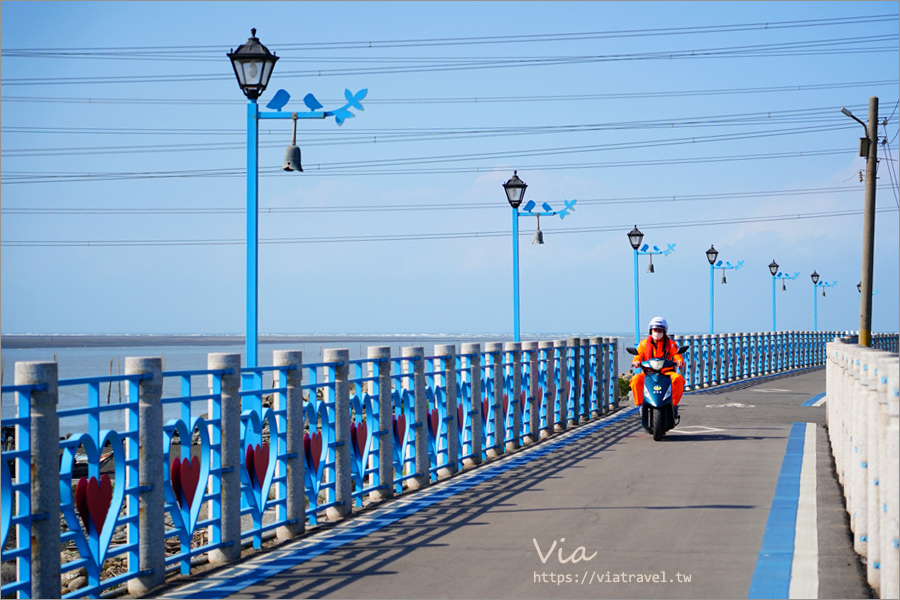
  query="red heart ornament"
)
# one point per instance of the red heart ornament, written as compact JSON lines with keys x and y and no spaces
{"x":250,"y":463}
{"x":190,"y":478}
{"x":261,"y":463}
{"x":484,"y":410}
{"x":92,"y":500}
{"x":315,"y":444}
{"x":175,"y":478}
{"x":399,"y":428}
{"x":434,"y":422}
{"x":360,"y":434}
{"x":505,"y":404}
{"x":459,"y":417}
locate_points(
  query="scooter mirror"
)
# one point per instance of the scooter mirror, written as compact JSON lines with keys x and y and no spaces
{"x":631,"y":350}
{"x":683,"y":349}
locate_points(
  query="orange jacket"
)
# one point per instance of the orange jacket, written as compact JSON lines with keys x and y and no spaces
{"x":664,"y":348}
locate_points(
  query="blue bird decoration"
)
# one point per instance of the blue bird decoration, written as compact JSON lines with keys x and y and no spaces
{"x":278,"y":101}
{"x":310,"y":101}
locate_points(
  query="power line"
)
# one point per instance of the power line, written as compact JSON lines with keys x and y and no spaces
{"x":12,"y":178}
{"x":355,"y":208}
{"x":424,"y":236}
{"x":466,"y":99}
{"x":179,"y":51}
{"x":824,"y":47}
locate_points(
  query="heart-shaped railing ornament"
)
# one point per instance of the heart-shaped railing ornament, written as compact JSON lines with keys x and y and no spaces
{"x":6,"y":494}
{"x":459,"y":418}
{"x":400,"y":431}
{"x":361,"y":444}
{"x":185,"y":483}
{"x":98,"y":502}
{"x":259,"y":458}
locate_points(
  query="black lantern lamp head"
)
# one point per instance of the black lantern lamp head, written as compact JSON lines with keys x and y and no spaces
{"x":711,"y":254}
{"x":515,"y":190}
{"x":253,"y":65}
{"x":635,"y":237}
{"x":773,"y":268}
{"x":814,"y":277}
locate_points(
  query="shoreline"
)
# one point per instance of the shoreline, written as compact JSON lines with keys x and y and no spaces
{"x":25,"y":341}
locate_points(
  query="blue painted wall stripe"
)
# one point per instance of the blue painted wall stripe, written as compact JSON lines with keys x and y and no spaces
{"x":772,"y":576}
{"x":814,"y":399}
{"x":236,"y":579}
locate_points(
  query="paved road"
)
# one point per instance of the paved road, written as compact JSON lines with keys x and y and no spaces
{"x":608,"y":513}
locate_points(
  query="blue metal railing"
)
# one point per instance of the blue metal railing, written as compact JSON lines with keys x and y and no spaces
{"x":529,"y":393}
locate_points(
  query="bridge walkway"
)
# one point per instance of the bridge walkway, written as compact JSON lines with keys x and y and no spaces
{"x":600,"y":511}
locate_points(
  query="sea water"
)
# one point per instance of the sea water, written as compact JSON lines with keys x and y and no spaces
{"x":99,"y":361}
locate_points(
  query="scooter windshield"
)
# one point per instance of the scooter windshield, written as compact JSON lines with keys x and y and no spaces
{"x":656,"y":363}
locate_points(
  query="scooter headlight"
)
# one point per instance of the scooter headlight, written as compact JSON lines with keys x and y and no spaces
{"x":656,"y":363}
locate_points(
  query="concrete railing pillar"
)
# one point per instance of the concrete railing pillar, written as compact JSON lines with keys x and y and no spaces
{"x":561,"y":359}
{"x":890,"y":486}
{"x":381,"y":368}
{"x":151,"y":545}
{"x":514,"y":351}
{"x":532,"y":402}
{"x":343,"y":488}
{"x":597,"y":353}
{"x":584,"y":410}
{"x":447,"y":355}
{"x":230,"y":479}
{"x":573,"y":374}
{"x":294,"y":466}
{"x":420,"y":410}
{"x":495,"y":350}
{"x":45,"y":498}
{"x":545,"y":353}
{"x":473,"y":364}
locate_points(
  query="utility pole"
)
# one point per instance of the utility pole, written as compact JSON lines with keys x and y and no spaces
{"x":868,"y":253}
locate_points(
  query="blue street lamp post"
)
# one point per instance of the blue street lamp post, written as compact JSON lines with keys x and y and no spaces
{"x":711,"y":255}
{"x":253,"y":65}
{"x":635,"y":237}
{"x":515,"y":192}
{"x":773,"y":269}
{"x":816,"y":285}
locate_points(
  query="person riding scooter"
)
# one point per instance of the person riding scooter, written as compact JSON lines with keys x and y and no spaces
{"x":657,"y":345}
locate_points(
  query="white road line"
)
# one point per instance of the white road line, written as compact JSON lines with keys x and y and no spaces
{"x":820,"y":402}
{"x":805,"y":565}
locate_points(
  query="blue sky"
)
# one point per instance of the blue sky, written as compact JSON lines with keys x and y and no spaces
{"x":123,"y":162}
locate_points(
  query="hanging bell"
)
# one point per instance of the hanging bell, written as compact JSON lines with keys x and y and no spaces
{"x":783,"y":287}
{"x":650,"y":269}
{"x":292,"y":159}
{"x":823,"y":292}
{"x":538,"y":237}
{"x":723,"y":277}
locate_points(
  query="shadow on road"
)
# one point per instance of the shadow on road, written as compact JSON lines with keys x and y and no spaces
{"x":373,"y":554}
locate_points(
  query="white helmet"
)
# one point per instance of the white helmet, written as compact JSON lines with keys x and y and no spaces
{"x":658,"y":323}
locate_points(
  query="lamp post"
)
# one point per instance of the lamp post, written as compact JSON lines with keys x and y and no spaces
{"x":816,"y":284}
{"x":253,"y":65}
{"x":773,"y":269}
{"x":711,"y":255}
{"x":635,"y":237}
{"x":515,"y":193}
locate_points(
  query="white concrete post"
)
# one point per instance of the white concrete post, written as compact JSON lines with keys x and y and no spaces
{"x":473,"y":352}
{"x":343,"y":488}
{"x":230,"y":524}
{"x":385,"y":437}
{"x":531,"y":400}
{"x":295,"y":465}
{"x":45,"y":499}
{"x":447,"y":353}
{"x":597,"y":351}
{"x":545,"y":349}
{"x":872,"y":471}
{"x":495,"y":349}
{"x":151,"y":538}
{"x":420,"y":408}
{"x":573,"y":373}
{"x":890,"y":490}
{"x":515,"y":349}
{"x":562,"y":392}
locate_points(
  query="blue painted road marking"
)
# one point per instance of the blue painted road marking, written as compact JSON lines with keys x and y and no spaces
{"x":812,"y":401}
{"x":772,"y":577}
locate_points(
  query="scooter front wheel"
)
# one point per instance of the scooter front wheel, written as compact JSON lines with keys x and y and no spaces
{"x":659,"y":429}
